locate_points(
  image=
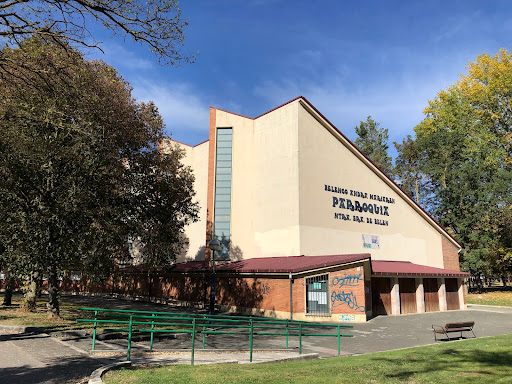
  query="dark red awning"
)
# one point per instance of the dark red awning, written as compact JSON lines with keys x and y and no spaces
{"x":287,"y":264}
{"x":406,"y":268}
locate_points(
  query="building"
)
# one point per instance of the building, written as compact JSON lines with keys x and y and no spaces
{"x":309,"y":227}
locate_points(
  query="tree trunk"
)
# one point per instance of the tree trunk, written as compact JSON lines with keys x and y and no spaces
{"x":52,"y":306}
{"x":9,"y":285}
{"x":29,"y":304}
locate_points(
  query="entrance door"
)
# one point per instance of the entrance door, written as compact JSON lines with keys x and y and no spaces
{"x":381,"y":296}
{"x":431,"y":289}
{"x":407,"y":289}
{"x":452,"y":294}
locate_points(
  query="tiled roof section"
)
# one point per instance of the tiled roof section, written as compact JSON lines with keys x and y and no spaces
{"x":289,"y":264}
{"x":406,"y":268}
{"x":189,"y":266}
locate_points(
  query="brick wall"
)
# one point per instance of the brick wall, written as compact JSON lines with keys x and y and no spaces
{"x":347,"y":291}
{"x":250,"y":292}
{"x":450,"y":255}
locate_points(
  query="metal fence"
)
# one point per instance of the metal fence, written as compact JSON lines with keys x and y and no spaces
{"x":132,"y":322}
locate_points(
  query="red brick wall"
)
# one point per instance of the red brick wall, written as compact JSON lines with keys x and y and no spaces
{"x":347,"y":291}
{"x":450,"y":255}
{"x":261,"y":293}
{"x":211,"y":182}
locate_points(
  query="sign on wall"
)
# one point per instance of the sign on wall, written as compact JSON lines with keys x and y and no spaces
{"x":371,"y":241}
{"x":359,"y":207}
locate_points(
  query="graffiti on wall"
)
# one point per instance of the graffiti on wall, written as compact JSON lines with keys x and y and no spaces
{"x":265,"y":289}
{"x":347,"y":280}
{"x":341,"y":297}
{"x":345,"y":298}
{"x":347,"y":317}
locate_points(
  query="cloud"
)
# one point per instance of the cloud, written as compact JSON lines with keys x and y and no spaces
{"x":396,"y":101}
{"x":184,"y":111}
{"x":118,"y":56}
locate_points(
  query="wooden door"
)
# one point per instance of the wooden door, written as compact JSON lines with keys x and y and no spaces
{"x":431,"y":289}
{"x":452,"y":294}
{"x":381,"y":296}
{"x":407,"y":289}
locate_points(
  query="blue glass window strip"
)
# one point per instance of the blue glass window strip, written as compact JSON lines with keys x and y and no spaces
{"x":223,"y":167}
{"x":223,"y":204}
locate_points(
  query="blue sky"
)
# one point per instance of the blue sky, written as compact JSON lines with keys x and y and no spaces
{"x":350,"y":59}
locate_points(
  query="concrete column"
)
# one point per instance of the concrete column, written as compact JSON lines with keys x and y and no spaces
{"x":443,"y":307}
{"x":395,"y":296}
{"x":420,"y":295}
{"x":462,"y":290}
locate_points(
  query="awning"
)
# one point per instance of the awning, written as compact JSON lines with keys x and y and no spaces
{"x":290,"y":264}
{"x":406,"y":268}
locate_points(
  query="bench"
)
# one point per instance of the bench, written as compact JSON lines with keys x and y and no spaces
{"x":466,"y":326}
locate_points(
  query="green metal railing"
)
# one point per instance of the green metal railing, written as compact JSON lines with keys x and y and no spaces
{"x":161,"y":322}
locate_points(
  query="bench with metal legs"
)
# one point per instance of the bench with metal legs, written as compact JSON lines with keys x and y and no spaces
{"x":466,"y":326}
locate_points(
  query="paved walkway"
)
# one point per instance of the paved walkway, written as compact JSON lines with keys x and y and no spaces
{"x":40,"y":358}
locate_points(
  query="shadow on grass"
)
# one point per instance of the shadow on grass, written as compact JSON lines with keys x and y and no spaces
{"x":453,"y":362}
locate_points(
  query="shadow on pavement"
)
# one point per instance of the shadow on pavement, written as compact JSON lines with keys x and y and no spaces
{"x":75,"y":369}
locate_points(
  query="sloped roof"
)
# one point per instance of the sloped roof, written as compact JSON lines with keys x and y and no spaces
{"x":388,"y":180}
{"x":406,"y":268}
{"x":287,"y":264}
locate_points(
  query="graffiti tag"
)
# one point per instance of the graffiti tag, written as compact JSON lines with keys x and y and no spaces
{"x":347,"y":317}
{"x":347,"y":280}
{"x":345,"y":298}
{"x":265,"y":289}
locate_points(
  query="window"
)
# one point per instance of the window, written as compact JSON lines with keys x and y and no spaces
{"x":222,"y":218}
{"x":317,"y":292}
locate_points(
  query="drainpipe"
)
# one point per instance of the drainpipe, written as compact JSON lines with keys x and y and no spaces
{"x":291,"y":295}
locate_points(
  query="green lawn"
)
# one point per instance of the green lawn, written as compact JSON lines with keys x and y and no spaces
{"x":68,"y":310}
{"x":483,"y":360}
{"x":503,"y":298}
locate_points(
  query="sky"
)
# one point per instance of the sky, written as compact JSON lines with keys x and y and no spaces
{"x":349,"y":59}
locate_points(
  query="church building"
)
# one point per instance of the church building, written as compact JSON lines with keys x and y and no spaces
{"x":309,"y":227}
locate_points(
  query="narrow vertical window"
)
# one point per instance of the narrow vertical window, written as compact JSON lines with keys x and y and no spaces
{"x":317,"y":294}
{"x":222,"y":218}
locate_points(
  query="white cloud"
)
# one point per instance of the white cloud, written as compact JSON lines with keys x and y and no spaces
{"x":118,"y":56}
{"x":180,"y":105}
{"x":396,"y":102}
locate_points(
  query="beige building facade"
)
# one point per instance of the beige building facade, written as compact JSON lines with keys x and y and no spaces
{"x":288,"y":183}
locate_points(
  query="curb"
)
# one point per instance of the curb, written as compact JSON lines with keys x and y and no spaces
{"x":96,"y":375}
{"x":487,"y":305}
{"x":17,"y":328}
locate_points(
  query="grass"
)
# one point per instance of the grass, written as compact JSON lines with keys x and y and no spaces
{"x":69,"y":313}
{"x":502,"y":298}
{"x":482,"y":360}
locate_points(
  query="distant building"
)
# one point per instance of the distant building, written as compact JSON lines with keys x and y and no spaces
{"x":288,"y":183}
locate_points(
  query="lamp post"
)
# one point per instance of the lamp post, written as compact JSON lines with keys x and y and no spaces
{"x":214,"y":245}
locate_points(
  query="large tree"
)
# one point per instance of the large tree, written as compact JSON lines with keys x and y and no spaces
{"x":81,"y":171}
{"x":408,"y":170}
{"x":372,"y":140}
{"x":158,"y":24}
{"x":464,"y":145}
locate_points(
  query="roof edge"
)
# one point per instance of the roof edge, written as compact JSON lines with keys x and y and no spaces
{"x":382,"y":174}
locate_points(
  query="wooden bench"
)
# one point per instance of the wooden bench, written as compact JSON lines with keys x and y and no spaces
{"x":466,"y":326}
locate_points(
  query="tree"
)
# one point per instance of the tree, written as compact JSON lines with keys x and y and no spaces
{"x":373,"y":142}
{"x":464,"y":143}
{"x":81,"y":168}
{"x":157,"y":24}
{"x":408,"y":170}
